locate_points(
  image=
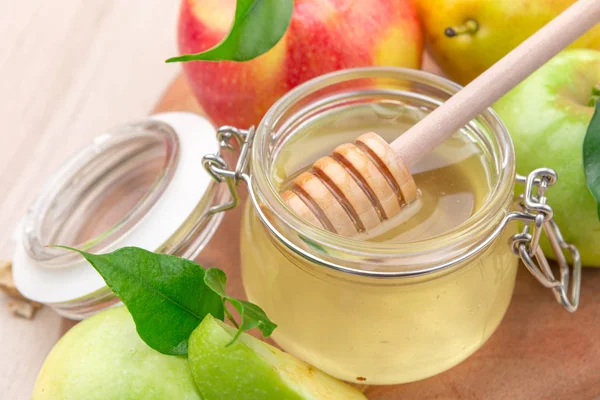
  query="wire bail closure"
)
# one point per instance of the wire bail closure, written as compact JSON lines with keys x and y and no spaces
{"x":537,"y":216}
{"x":218,"y":168}
{"x":535,"y":213}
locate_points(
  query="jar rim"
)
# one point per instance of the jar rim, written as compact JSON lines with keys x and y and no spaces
{"x":341,"y":253}
{"x":123,"y":139}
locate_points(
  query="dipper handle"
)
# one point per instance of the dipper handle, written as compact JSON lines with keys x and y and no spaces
{"x":482,"y":92}
{"x":362,"y":184}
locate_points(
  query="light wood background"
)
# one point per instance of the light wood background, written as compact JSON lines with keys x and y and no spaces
{"x":69,"y":69}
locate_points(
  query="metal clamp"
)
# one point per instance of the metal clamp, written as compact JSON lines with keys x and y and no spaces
{"x":218,"y":168}
{"x":537,"y":216}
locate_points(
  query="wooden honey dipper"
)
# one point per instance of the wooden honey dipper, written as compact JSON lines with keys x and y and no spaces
{"x":362,"y":184}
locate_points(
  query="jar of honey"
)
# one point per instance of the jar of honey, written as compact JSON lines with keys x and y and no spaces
{"x":398,"y":304}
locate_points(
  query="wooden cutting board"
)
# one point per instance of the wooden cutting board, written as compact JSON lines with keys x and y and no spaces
{"x":540,"y":351}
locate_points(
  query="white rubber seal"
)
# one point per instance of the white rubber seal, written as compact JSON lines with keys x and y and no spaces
{"x":187,"y":187}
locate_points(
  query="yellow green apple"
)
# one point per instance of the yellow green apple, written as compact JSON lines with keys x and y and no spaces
{"x":547,"y":116}
{"x":249,"y":369}
{"x":323,"y":36}
{"x":465,"y":37}
{"x":103,"y":358}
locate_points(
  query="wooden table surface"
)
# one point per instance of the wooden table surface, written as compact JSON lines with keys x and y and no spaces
{"x":77,"y":69}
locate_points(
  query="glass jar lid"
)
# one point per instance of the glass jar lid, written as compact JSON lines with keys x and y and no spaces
{"x":140,"y":185}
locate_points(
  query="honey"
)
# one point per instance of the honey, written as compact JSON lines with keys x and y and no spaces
{"x":418,"y":294}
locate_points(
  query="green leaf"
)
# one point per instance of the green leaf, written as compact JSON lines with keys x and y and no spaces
{"x":166,"y":295}
{"x":257,"y":27}
{"x":591,"y":156}
{"x":252,"y":315}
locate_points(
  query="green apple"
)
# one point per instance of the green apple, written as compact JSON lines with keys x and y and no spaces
{"x":103,"y":358}
{"x":250,"y":369}
{"x":547,"y":116}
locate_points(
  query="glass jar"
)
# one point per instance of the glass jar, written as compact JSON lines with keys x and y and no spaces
{"x":374,"y":312}
{"x":364,"y":312}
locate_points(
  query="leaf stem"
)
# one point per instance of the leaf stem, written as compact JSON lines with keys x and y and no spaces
{"x":229,"y":316}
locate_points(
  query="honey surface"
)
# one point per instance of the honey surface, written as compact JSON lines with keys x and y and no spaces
{"x":453,"y":180}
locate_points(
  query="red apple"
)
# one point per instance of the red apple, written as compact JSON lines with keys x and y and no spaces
{"x":323,"y":36}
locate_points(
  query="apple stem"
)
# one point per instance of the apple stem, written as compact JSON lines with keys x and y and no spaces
{"x":595,"y":95}
{"x":470,"y":27}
